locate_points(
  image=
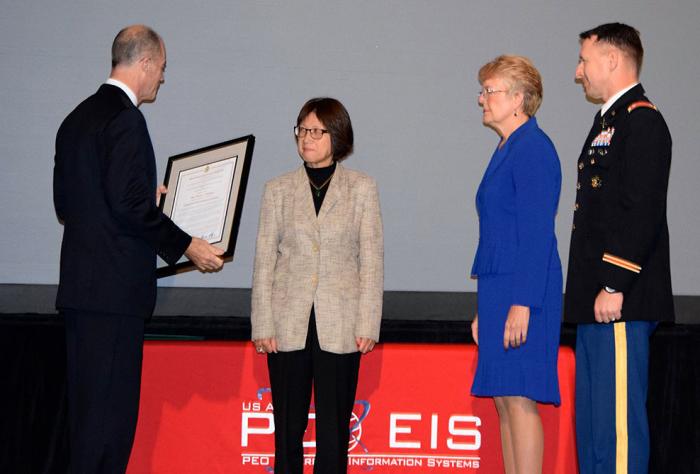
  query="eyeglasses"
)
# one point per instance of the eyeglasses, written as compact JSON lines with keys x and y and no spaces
{"x":488,"y":92}
{"x":316,"y":133}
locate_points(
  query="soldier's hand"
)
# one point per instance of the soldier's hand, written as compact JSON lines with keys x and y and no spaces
{"x":205,"y":256}
{"x":608,"y":307}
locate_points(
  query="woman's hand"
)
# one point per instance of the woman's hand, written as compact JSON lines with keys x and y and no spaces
{"x":365,"y":344}
{"x":475,"y":329}
{"x":265,"y":346}
{"x":515,"y":332}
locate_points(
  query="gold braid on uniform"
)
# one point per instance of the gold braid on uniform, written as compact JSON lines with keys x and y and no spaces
{"x":621,"y":262}
{"x":641,"y":103}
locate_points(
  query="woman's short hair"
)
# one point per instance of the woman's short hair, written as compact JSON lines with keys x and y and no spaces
{"x":521,"y":76}
{"x":336,"y":119}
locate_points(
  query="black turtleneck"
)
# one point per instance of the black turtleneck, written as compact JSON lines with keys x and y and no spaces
{"x":319,"y":177}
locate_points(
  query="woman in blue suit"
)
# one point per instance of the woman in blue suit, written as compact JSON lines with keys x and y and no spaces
{"x":517,"y":264}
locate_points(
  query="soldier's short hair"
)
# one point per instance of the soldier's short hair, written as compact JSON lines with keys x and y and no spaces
{"x":623,"y":37}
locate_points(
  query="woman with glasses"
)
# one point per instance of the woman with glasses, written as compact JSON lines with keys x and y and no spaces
{"x":517,"y":263}
{"x":317,"y":287}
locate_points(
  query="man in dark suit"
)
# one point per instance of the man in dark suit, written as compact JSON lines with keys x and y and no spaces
{"x":105,"y":195}
{"x":619,"y":280}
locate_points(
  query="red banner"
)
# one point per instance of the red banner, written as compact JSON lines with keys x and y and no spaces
{"x":206,"y":408}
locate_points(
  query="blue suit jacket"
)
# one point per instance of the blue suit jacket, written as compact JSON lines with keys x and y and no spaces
{"x":517,"y":202}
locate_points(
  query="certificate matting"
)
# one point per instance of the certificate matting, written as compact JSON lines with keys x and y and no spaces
{"x":201,"y":199}
{"x":206,"y":189}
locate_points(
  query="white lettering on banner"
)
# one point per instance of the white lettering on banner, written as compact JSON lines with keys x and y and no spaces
{"x":413,"y":431}
{"x":250,"y":406}
{"x":474,"y":433}
{"x":255,"y":460}
{"x":384,"y":461}
{"x":473,"y":444}
{"x":433,"y":431}
{"x":394,"y":429}
{"x":247,"y":430}
{"x":449,"y":463}
{"x":379,"y":460}
{"x":312,"y":443}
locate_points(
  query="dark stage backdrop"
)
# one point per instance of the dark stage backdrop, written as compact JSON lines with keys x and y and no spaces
{"x":235,"y":302}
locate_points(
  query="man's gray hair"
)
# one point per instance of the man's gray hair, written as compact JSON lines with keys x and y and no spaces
{"x":133,"y":42}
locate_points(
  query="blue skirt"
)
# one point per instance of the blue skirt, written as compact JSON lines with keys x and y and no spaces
{"x":530,"y":370}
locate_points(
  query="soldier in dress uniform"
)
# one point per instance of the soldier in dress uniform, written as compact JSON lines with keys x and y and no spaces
{"x":619,"y":280}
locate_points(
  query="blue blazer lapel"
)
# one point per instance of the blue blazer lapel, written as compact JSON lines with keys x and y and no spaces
{"x":496,"y":161}
{"x":501,"y":153}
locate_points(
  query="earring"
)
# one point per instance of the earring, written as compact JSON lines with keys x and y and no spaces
{"x":515,"y":114}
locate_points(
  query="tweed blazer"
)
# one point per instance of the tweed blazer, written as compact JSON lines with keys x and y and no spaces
{"x":333,"y":261}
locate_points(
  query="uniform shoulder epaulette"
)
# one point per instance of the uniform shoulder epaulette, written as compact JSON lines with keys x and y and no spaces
{"x":641,"y":103}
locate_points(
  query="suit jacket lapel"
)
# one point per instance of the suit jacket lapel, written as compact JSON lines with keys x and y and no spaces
{"x":304,"y":210}
{"x":112,"y":89}
{"x":335,"y":190}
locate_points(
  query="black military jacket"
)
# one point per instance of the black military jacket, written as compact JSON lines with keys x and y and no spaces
{"x":620,"y":234}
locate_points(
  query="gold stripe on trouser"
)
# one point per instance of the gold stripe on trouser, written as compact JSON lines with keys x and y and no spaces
{"x":621,"y":451}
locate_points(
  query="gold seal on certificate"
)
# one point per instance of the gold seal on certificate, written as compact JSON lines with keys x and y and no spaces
{"x":205,"y":194}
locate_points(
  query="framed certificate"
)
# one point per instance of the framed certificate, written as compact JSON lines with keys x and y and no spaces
{"x":205,"y":195}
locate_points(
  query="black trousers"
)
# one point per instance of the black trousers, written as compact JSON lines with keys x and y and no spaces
{"x":104,"y":355}
{"x":334,"y":380}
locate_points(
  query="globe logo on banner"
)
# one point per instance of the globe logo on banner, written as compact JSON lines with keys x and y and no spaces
{"x":356,"y":426}
{"x":257,"y":419}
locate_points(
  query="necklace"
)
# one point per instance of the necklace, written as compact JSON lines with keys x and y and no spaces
{"x":320,"y":188}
